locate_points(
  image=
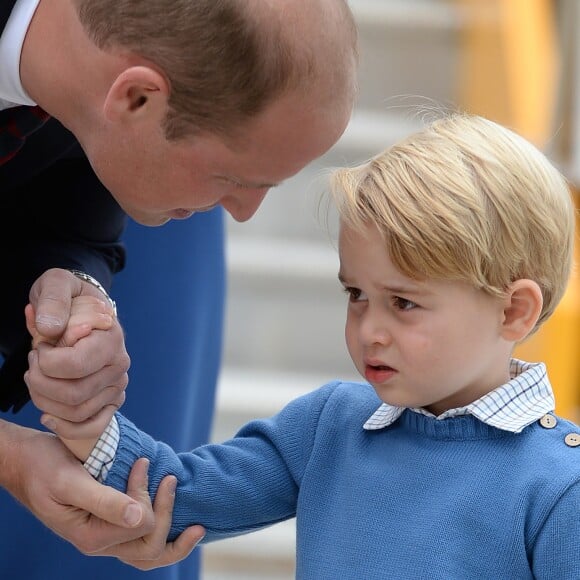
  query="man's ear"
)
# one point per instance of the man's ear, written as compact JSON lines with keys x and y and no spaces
{"x":522,"y":307}
{"x":138,"y":91}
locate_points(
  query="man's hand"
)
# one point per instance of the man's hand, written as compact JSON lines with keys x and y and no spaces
{"x":87,"y":313}
{"x":51,"y":296}
{"x":153,"y":550}
{"x":44,"y":476}
{"x":83,"y":383}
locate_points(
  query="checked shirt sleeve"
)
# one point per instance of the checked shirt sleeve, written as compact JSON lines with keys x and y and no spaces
{"x":103,"y":454}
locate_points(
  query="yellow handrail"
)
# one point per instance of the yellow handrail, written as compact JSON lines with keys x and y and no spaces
{"x":509,"y":65}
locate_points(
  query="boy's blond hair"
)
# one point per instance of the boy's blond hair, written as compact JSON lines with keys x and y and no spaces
{"x":466,"y":199}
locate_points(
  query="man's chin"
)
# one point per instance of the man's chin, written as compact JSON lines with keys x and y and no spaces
{"x":154,"y":223}
{"x":151,"y":221}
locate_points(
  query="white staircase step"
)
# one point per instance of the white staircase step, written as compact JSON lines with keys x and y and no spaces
{"x":244,"y":394}
{"x":410,"y":14}
{"x":369,"y":132}
{"x":265,"y":555}
{"x":251,"y":393}
{"x":281,"y":258}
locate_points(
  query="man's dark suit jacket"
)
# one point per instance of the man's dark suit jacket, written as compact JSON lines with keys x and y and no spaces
{"x":54,"y":212}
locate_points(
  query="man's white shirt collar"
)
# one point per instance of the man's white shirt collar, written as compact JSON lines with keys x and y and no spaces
{"x":12,"y":92}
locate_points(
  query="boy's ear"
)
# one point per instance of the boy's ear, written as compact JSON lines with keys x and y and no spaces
{"x":522,"y":307}
{"x":137,"y":91}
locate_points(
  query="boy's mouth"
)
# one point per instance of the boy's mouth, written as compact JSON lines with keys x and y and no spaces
{"x":378,"y":373}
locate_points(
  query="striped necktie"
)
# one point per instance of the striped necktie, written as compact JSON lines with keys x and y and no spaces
{"x":16,"y":123}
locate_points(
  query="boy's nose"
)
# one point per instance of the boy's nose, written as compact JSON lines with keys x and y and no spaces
{"x":373,"y":329}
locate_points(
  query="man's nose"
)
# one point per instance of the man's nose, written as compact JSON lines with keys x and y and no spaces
{"x":242,"y":208}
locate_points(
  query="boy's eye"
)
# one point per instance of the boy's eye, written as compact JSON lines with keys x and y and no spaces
{"x":354,"y":294}
{"x":403,"y":303}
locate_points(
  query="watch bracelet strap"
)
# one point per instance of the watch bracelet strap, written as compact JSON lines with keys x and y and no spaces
{"x":94,"y":282}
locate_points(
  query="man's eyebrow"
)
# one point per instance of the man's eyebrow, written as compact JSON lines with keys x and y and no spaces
{"x":249,"y":184}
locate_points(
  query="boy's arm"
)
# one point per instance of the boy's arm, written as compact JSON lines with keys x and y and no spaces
{"x":148,"y":550}
{"x":556,"y":549}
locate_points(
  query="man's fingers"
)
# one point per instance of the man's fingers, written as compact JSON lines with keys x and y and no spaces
{"x":44,"y":476}
{"x":152,"y":545}
{"x":153,"y":550}
{"x":83,"y":397}
{"x":101,"y":348}
{"x":85,"y":412}
{"x":77,"y":413}
{"x":163,"y":510}
{"x":51,"y":296}
{"x":113,"y":517}
{"x":89,"y":429}
{"x":174,"y":551}
{"x":111,"y":505}
{"x":29,"y":318}
{"x":183,"y":546}
{"x":138,"y":482}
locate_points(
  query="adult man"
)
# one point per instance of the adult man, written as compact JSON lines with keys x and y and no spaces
{"x":179,"y":107}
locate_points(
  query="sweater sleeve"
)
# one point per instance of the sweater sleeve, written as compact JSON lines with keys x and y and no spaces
{"x":246,"y":483}
{"x":556,"y":551}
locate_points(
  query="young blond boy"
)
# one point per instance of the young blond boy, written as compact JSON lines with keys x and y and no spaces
{"x":449,"y":463}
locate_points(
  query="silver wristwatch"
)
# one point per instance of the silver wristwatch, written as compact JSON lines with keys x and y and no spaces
{"x":94,"y":282}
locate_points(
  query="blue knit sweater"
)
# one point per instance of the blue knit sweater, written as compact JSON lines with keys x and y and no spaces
{"x":420,"y":499}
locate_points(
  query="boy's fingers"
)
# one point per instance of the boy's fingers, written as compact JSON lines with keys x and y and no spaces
{"x":74,"y":333}
{"x":87,"y":313}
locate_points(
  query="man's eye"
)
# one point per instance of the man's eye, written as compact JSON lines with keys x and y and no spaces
{"x":250,"y":187}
